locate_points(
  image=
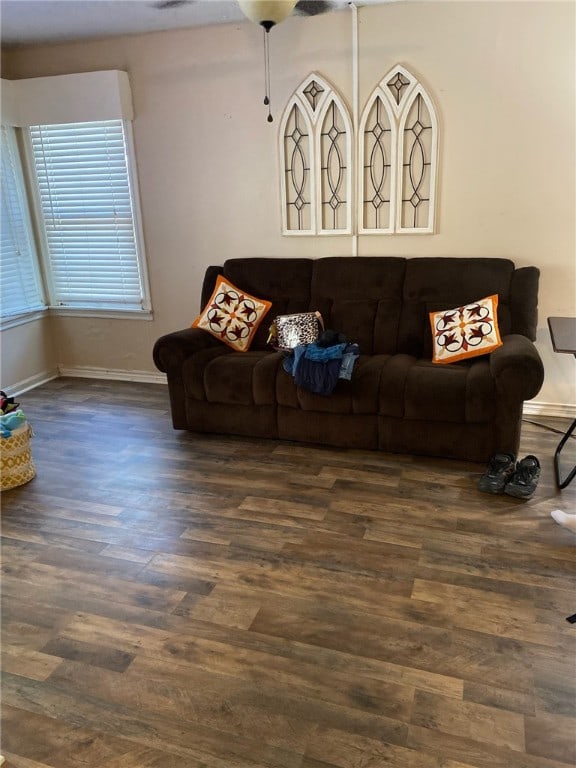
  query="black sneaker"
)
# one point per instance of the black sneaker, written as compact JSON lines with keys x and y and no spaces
{"x":499,"y":471}
{"x":525,"y":479}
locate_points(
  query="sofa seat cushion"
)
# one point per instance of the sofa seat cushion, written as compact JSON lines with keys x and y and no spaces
{"x":360,"y":395}
{"x":459,"y":392}
{"x":232,"y":378}
{"x":393,"y":377}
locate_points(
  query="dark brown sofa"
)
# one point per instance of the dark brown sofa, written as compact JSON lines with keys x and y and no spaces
{"x":397,"y":400}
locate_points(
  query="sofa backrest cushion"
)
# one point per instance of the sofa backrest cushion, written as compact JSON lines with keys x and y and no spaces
{"x":436,"y":283}
{"x":382,"y":302}
{"x":524,"y":301}
{"x":284,"y":282}
{"x":362,"y":298}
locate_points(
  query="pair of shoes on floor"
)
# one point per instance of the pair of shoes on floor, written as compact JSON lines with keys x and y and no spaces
{"x":505,"y":475}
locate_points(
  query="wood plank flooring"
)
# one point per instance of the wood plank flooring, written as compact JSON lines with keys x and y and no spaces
{"x":173,"y":600}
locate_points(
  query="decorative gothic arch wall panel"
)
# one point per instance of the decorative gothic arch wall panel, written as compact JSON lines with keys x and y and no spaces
{"x":377,"y":169}
{"x":398,"y":156}
{"x":297,"y":182}
{"x":316,"y":161}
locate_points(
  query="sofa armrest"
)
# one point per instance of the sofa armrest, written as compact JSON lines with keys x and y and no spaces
{"x":517,"y":368}
{"x":171,"y":350}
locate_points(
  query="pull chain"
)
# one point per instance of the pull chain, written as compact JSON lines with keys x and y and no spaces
{"x":267,"y":74}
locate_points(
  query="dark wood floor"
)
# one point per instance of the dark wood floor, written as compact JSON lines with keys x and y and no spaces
{"x":182,"y":601}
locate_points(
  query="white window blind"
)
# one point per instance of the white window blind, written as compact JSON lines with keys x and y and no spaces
{"x":20,"y":285}
{"x":88,"y":215}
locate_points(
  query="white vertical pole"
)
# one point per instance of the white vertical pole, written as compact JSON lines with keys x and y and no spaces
{"x":355,"y":148}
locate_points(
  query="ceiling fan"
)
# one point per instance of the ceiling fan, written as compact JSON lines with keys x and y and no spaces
{"x":268,"y":13}
{"x":301,"y":8}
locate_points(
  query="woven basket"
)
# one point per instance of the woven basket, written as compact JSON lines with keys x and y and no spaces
{"x":16,"y":465}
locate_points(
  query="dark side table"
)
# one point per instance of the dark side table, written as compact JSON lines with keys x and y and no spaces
{"x":563,"y":335}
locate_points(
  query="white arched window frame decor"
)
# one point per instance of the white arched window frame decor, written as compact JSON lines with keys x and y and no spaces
{"x":398,"y":157}
{"x":316,"y":161}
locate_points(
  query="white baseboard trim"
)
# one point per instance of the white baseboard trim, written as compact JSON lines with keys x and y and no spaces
{"x":114,"y":374}
{"x":32,"y":382}
{"x":535,"y":408}
{"x":531,"y":407}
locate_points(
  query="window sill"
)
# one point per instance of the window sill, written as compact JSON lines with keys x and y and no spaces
{"x":37,"y":314}
{"x":115,"y":314}
{"x":23,"y":318}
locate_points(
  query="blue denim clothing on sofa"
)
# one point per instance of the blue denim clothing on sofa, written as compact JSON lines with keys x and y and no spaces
{"x":317,"y":369}
{"x":316,"y":376}
{"x":351,"y":354}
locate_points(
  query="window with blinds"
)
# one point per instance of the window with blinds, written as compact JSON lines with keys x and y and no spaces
{"x":20,"y":287}
{"x":87,"y":207}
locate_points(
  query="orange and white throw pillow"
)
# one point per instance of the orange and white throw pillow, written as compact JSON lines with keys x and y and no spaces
{"x":232,"y":315}
{"x":464,"y":332}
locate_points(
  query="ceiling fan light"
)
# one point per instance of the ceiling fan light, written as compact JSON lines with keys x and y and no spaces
{"x":267,"y":12}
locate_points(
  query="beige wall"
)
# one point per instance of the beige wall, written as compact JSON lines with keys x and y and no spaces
{"x":502,"y":75}
{"x":28,"y":354}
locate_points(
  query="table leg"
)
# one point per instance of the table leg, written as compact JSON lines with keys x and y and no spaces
{"x":572,"y":473}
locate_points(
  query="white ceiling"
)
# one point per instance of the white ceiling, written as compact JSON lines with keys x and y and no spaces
{"x":30,"y":22}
